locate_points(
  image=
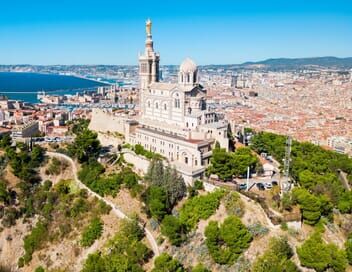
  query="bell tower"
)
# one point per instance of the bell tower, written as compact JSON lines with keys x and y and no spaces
{"x":149,"y":61}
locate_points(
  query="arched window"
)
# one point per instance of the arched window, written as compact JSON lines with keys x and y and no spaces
{"x":165,"y":106}
{"x":148,"y":104}
{"x":156,"y":105}
{"x":188,"y":78}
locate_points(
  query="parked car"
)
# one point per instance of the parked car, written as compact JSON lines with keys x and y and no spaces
{"x":260,"y":186}
{"x":242,"y":186}
{"x":268,"y":185}
{"x":274,"y":183}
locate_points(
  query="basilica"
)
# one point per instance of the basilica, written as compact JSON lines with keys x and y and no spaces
{"x":174,"y":118}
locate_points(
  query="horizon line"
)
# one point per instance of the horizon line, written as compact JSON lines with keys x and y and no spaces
{"x":219,"y":64}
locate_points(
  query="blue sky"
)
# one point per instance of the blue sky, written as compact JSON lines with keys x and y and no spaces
{"x":211,"y":32}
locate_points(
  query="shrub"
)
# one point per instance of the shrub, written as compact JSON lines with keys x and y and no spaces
{"x":165,"y":262}
{"x":20,"y":262}
{"x":34,"y":240}
{"x":276,"y":258}
{"x":126,"y":251}
{"x":92,"y":232}
{"x":173,"y":229}
{"x":257,"y":229}
{"x":233,"y":204}
{"x":39,"y":269}
{"x":284,"y":226}
{"x":200,"y":207}
{"x":348,"y":246}
{"x":139,"y":150}
{"x":198,"y":185}
{"x":56,"y":167}
{"x":200,"y":268}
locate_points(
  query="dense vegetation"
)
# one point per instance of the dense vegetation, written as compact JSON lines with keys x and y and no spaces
{"x":165,"y":263}
{"x":276,"y":258}
{"x":227,"y":241}
{"x":77,"y":126}
{"x":315,"y":253}
{"x":194,"y":209}
{"x":314,"y":168}
{"x":92,"y":175}
{"x":25,"y":161}
{"x":165,"y":188}
{"x":92,"y":232}
{"x":228,"y":164}
{"x":313,"y":207}
{"x":200,"y":207}
{"x":126,"y":251}
{"x":86,"y":146}
{"x":200,"y":268}
{"x":140,"y":150}
{"x":61,"y":209}
{"x":348,"y":246}
{"x":34,"y":240}
{"x":56,"y":167}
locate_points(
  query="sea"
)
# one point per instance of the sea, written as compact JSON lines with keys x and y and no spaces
{"x":24,"y":86}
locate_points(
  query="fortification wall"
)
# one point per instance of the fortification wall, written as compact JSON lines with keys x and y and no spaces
{"x":140,"y":163}
{"x":104,"y":121}
{"x":106,"y":140}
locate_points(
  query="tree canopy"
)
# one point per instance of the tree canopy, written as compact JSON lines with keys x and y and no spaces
{"x":165,"y":263}
{"x":166,"y":188}
{"x":277,"y":258}
{"x":315,"y":253}
{"x":313,"y":167}
{"x":126,"y":251}
{"x":86,"y":146}
{"x":227,"y":241}
{"x":228,"y":164}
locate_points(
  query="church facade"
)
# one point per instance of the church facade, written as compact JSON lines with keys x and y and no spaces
{"x":174,"y":118}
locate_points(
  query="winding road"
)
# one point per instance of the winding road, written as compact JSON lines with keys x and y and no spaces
{"x":115,"y":209}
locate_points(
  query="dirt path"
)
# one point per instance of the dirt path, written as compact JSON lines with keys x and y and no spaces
{"x":115,"y":209}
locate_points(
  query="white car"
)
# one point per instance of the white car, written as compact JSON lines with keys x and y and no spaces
{"x":268,"y":185}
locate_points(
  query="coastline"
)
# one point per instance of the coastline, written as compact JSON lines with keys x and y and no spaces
{"x":22,"y":85}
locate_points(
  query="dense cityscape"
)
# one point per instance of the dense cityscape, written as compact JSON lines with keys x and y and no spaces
{"x":272,"y":101}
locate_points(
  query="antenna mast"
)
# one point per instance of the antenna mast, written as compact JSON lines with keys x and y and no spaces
{"x":287,"y":161}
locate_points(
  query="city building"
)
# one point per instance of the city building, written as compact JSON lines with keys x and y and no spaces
{"x":26,"y":130}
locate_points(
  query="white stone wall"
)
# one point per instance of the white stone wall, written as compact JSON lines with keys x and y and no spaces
{"x":104,"y":121}
{"x":140,"y":163}
{"x":106,"y":140}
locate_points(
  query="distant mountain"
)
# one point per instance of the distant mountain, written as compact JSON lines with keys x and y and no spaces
{"x":299,"y":63}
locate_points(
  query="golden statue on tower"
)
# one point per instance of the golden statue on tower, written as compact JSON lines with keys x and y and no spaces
{"x":148,"y":27}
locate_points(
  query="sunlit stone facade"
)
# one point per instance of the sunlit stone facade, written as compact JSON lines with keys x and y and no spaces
{"x":175,"y":120}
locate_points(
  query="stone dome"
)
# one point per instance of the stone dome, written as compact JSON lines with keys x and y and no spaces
{"x":188,"y":66}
